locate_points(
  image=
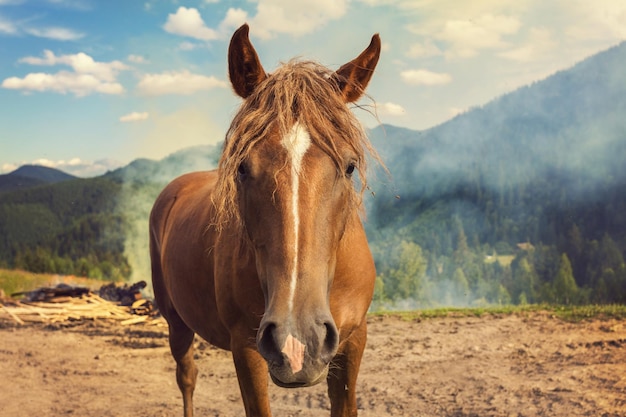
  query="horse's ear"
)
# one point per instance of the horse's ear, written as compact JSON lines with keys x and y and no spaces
{"x":354,"y":76}
{"x":244,"y":67}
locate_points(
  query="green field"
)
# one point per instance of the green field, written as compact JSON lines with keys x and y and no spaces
{"x":568,"y":313}
{"x":13,"y":281}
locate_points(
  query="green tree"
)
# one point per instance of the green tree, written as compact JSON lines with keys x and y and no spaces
{"x":575,"y":249}
{"x":565,"y":288}
{"x":524,"y":282}
{"x":406,"y":279}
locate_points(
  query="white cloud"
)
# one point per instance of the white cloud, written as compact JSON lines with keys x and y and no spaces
{"x":597,"y":20}
{"x":188,"y":46}
{"x":81,"y":63}
{"x":177,"y":82}
{"x":390,"y":109}
{"x":7,"y":27}
{"x":463,"y":29}
{"x":271,"y":17}
{"x":135,"y":117}
{"x":423,"y":50}
{"x":234,"y":18}
{"x":188,"y":22}
{"x":55,"y":164}
{"x":63,"y":82}
{"x":425,"y":77}
{"x":8,"y":167}
{"x":55,"y":33}
{"x":539,"y":43}
{"x":136,"y":59}
{"x":467,"y":37}
{"x":295,"y":17}
{"x":89,"y":76}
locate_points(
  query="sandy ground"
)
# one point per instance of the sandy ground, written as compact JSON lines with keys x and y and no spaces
{"x":514,"y":365}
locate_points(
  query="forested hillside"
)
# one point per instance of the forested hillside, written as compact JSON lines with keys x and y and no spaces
{"x":94,"y":227}
{"x":71,"y":227}
{"x":522,"y":200}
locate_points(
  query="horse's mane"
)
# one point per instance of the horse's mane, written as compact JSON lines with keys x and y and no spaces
{"x":298,"y":91}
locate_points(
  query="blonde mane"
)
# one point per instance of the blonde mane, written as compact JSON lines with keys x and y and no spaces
{"x":299,"y":91}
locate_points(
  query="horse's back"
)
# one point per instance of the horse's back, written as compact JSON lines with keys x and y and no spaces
{"x":182,"y":266}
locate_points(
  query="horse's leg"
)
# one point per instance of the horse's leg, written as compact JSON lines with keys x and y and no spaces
{"x":181,"y":341}
{"x":252,"y":374}
{"x":343,"y":373}
{"x":181,"y":345}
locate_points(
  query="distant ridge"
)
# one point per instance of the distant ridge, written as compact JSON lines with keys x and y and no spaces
{"x":40,"y":172}
{"x":28,"y":176}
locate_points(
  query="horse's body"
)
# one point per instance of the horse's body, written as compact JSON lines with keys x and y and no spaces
{"x":267,"y":256}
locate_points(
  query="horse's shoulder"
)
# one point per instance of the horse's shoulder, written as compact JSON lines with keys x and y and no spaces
{"x":184,"y":187}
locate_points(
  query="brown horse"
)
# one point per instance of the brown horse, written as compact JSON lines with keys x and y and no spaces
{"x":267,"y":256}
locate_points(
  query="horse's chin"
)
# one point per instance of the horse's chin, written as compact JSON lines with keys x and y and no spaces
{"x":295,"y":382}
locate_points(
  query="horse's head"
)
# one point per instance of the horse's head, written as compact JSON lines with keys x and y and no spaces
{"x":288,"y":162}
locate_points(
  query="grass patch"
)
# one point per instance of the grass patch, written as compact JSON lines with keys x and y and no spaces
{"x":568,"y":313}
{"x":14,"y":280}
{"x":579,"y":313}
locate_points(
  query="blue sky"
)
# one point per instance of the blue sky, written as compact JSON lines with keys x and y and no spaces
{"x":89,"y":85}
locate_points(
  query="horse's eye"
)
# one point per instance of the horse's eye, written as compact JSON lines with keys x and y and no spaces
{"x":350,"y":169}
{"x":242,"y":171}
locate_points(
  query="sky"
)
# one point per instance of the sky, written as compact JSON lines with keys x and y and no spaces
{"x":87,"y":86}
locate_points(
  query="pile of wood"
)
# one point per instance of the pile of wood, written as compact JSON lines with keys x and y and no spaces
{"x":65,"y":303}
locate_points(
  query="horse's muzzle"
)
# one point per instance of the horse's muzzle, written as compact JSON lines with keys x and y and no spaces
{"x":298,"y":358}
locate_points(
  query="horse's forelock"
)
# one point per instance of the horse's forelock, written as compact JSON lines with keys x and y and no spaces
{"x":303,"y":92}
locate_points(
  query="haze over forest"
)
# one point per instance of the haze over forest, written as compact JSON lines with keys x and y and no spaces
{"x":519,"y":201}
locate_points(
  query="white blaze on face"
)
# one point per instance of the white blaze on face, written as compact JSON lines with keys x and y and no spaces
{"x":297,"y":142}
{"x":294,"y":350}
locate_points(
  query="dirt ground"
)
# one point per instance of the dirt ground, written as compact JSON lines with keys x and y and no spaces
{"x":513,"y":365}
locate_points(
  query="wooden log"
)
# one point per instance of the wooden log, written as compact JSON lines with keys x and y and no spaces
{"x":28,"y":310}
{"x":13,"y":316}
{"x":134,"y":320}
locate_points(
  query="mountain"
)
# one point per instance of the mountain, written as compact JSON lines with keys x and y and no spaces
{"x":571,"y":122}
{"x":563,"y":135}
{"x":31,"y":175}
{"x":539,"y":167}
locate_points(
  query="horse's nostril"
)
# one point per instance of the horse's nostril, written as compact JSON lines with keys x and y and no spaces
{"x":267,"y":343}
{"x":331,"y":342}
